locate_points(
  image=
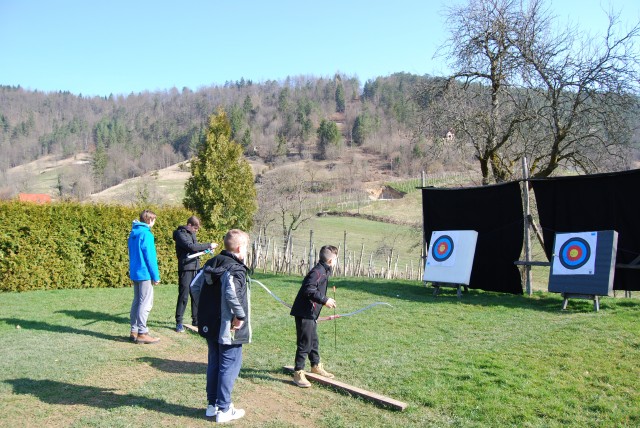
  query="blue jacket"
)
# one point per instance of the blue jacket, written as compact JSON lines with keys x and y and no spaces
{"x":143,"y":262}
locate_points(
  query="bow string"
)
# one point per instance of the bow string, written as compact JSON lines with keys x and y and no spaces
{"x":327,"y":318}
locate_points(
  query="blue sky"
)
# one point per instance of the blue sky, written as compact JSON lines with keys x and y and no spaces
{"x":124,"y":46}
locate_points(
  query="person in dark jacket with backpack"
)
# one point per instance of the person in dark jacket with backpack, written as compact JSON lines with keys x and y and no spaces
{"x":223,"y":319}
{"x":186,"y":245}
{"x":306,"y":308}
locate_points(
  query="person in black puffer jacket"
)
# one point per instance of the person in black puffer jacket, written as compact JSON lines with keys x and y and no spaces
{"x":187,"y":244}
{"x":223,"y":319}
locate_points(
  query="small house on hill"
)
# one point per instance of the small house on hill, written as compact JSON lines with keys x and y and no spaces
{"x":38,"y":198}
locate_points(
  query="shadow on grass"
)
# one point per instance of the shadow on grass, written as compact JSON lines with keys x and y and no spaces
{"x":123,"y":318}
{"x":192,"y":367}
{"x":448,"y":295}
{"x":94,"y":317}
{"x":61,"y":393}
{"x":262,"y":374}
{"x":175,"y":366}
{"x":44,"y":326}
{"x":411,"y":291}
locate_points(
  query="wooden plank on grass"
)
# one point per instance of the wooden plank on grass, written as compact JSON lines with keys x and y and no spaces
{"x":368,"y":395}
{"x":190,"y":327}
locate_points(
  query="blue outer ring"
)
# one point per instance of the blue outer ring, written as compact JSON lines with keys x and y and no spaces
{"x":445,"y":256}
{"x":564,"y":256}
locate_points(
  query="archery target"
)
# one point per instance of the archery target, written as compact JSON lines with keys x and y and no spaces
{"x":574,"y":253}
{"x":584,"y":263}
{"x":450,"y":256}
{"x":442,"y":248}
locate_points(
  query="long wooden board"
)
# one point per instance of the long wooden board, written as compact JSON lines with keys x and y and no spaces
{"x":368,"y":395}
{"x":190,"y":327}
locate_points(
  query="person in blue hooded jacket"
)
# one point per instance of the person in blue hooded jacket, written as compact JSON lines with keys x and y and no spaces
{"x":143,"y":271}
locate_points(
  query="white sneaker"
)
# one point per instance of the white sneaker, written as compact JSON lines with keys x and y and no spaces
{"x":231,"y":414}
{"x":211,"y":410}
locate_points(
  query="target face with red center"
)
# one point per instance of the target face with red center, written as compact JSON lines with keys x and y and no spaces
{"x":574,"y":253}
{"x":442,"y":248}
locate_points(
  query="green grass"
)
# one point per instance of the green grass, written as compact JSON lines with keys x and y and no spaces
{"x":377,"y":237}
{"x":406,"y":186}
{"x":486,"y":360}
{"x":407,"y":210}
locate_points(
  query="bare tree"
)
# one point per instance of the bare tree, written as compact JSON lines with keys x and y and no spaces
{"x":521,"y":88}
{"x":287,"y":195}
{"x":586,"y":92}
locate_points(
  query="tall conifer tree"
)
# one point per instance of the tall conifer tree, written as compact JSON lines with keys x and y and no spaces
{"x":221,"y":189}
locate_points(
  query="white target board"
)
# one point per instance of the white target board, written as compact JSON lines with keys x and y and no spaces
{"x":574,"y":253}
{"x":450,"y":256}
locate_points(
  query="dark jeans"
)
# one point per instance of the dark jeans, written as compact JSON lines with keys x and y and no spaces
{"x":184,"y":280}
{"x":307,"y":343}
{"x":222,"y":371}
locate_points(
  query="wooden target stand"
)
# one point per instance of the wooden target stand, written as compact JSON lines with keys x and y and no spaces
{"x":438,"y":285}
{"x":567,"y":296}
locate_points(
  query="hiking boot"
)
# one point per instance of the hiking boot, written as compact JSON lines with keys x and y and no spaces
{"x":300,"y":379}
{"x":180,"y":328}
{"x":319,"y":370}
{"x":231,"y":414}
{"x":211,"y":411}
{"x":133,"y":337}
{"x":145,"y":338}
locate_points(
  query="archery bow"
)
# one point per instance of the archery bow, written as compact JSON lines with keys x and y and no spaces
{"x":335,"y":324}
{"x":271,"y":293}
{"x":330,"y":317}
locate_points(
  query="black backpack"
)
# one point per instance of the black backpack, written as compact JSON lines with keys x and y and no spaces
{"x":209,"y":289}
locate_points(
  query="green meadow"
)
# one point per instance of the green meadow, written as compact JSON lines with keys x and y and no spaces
{"x":486,"y":360}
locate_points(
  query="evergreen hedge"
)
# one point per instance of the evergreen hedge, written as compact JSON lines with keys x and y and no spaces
{"x":72,"y":245}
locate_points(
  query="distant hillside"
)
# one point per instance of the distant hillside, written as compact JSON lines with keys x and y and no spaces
{"x":122,"y":137}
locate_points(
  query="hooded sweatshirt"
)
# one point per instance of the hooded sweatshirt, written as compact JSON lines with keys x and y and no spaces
{"x":224,"y":295}
{"x":143,"y":262}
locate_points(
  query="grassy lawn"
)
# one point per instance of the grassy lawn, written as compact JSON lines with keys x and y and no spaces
{"x":486,"y":360}
{"x":407,"y":210}
{"x":377,"y":237}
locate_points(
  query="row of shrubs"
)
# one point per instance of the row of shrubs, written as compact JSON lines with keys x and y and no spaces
{"x":71,"y":245}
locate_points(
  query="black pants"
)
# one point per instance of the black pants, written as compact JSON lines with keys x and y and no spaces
{"x":307,"y":343}
{"x":184,"y":280}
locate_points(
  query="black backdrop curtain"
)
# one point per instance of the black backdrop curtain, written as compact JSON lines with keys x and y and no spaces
{"x":495,"y":212}
{"x":591,"y":203}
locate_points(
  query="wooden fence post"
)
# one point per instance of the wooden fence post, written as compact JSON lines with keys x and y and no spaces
{"x":344,"y":257}
{"x":527,"y":216}
{"x":311,"y":260}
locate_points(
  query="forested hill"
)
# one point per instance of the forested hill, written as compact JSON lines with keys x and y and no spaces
{"x":276,"y":121}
